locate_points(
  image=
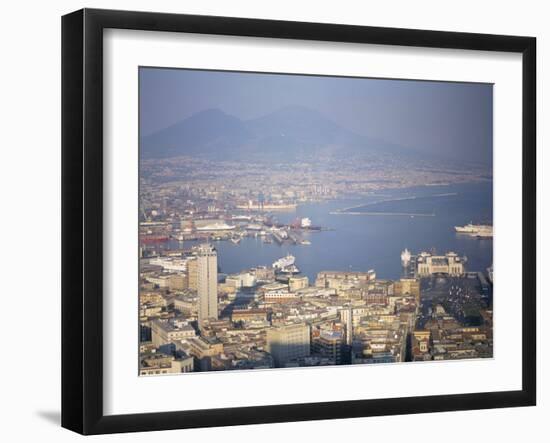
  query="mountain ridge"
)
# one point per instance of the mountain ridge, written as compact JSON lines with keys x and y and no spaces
{"x":291,"y":133}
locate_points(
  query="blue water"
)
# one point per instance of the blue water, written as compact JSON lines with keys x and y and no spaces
{"x":363,"y":242}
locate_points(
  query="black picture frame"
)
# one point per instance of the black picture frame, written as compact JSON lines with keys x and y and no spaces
{"x":82,"y":218}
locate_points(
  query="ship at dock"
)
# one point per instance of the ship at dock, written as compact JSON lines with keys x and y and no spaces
{"x":286,"y":265}
{"x":150,"y":239}
{"x":259,"y":206}
{"x":490,"y":273}
{"x":217,"y":226}
{"x":480,"y":231}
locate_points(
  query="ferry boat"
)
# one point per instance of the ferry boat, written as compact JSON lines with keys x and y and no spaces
{"x":482,"y":231}
{"x":286,"y":265}
{"x":490,"y":273}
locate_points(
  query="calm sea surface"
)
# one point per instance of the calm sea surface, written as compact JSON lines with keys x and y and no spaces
{"x":363,"y":242}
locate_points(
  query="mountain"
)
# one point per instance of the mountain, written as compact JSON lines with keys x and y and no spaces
{"x":290,"y":133}
{"x":207,"y":132}
{"x":295,"y":131}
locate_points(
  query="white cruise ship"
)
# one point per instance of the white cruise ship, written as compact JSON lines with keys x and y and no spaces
{"x":286,"y":265}
{"x":483,"y":231}
{"x":284,"y":262}
{"x":216,"y":227}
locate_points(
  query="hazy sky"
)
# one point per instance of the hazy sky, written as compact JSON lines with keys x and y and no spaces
{"x":454,"y":119}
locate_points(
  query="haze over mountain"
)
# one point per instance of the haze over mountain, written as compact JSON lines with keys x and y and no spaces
{"x":288,"y":134}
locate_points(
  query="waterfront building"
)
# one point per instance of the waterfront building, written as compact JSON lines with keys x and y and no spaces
{"x":263,"y":273}
{"x":426,"y":264}
{"x":287,"y":343}
{"x":295,"y":283}
{"x":207,"y":282}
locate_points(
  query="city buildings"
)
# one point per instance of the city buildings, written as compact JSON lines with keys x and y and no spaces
{"x":163,"y":332}
{"x":162,"y":364}
{"x":342,"y":279}
{"x":287,"y":343}
{"x":193,"y":318}
{"x":330,"y":344}
{"x":346,"y":316}
{"x":242,"y":280}
{"x":192,"y":274}
{"x":283,"y":321}
{"x":295,"y":283}
{"x":170,"y":280}
{"x":408,"y":286}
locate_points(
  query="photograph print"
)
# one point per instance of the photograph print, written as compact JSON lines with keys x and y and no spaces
{"x":290,"y":221}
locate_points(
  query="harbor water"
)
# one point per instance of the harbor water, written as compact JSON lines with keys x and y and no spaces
{"x":370,"y":233}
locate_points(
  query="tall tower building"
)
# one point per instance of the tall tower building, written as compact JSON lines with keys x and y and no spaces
{"x":207,"y":282}
{"x":346,"y":316}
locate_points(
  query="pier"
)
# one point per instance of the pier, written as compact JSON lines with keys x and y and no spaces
{"x":400,"y":214}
